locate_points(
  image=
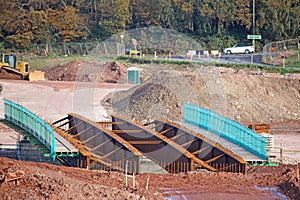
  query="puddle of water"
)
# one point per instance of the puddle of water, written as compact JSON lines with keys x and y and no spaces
{"x":275,"y":191}
{"x":176,"y":195}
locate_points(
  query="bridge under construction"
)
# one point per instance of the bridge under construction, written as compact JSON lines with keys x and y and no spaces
{"x":203,"y":140}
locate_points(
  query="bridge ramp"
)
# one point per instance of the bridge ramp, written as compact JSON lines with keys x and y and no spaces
{"x":236,"y":149}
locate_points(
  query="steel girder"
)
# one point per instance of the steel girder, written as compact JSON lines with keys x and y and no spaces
{"x":100,"y":147}
{"x":210,"y":152}
{"x":157,"y":146}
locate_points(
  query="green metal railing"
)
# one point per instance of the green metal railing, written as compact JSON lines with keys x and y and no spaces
{"x":33,"y":124}
{"x":226,"y":128}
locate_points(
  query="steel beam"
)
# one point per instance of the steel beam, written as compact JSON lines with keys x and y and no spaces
{"x":165,"y":131}
{"x":166,"y":150}
{"x":198,"y":144}
{"x":214,"y":159}
{"x":99,"y":146}
{"x":69,"y":129}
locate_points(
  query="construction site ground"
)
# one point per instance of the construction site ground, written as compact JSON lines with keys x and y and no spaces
{"x":248,"y":96}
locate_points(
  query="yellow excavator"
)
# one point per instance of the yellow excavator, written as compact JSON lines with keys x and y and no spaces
{"x":10,"y":68}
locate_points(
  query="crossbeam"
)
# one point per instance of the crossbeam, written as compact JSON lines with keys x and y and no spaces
{"x":201,"y":150}
{"x":83,"y":131}
{"x":189,"y":142}
{"x":127,"y":131}
{"x":100,"y":145}
{"x":115,"y":150}
{"x":177,"y":136}
{"x":215,"y":158}
{"x":66,"y":131}
{"x":109,"y":122}
{"x":145,"y":142}
{"x":60,"y":120}
{"x":85,"y":141}
{"x":61,"y":125}
{"x":165,"y":131}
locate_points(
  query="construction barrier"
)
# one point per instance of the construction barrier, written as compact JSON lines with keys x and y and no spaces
{"x":33,"y":124}
{"x":226,"y":128}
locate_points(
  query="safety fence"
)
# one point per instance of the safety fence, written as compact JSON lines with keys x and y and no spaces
{"x":33,"y":124}
{"x":226,"y":128}
{"x":282,"y":53}
{"x":89,"y":48}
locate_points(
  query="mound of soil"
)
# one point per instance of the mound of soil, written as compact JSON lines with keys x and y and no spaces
{"x":46,"y":181}
{"x":84,"y":71}
{"x":236,"y":94}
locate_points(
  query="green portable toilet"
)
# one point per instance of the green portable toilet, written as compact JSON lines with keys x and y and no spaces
{"x":133,"y":75}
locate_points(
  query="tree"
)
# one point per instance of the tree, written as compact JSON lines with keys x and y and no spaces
{"x":278,"y":20}
{"x":66,"y":24}
{"x":114,"y":17}
{"x":26,"y":22}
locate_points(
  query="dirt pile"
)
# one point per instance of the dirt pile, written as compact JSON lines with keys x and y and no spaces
{"x":45,"y":181}
{"x":236,"y":94}
{"x":84,"y":71}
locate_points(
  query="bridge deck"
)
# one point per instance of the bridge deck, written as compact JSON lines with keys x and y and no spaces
{"x":242,"y":152}
{"x":64,"y":146}
{"x":11,"y":135}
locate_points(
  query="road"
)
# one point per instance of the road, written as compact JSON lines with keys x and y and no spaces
{"x":234,"y":58}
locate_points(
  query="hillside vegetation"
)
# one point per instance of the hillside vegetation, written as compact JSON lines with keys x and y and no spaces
{"x":215,"y":24}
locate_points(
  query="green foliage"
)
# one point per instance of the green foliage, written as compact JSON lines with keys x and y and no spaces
{"x":136,"y":60}
{"x":270,"y":69}
{"x":218,"y":42}
{"x":39,"y":23}
{"x":218,"y":24}
{"x":296,"y":64}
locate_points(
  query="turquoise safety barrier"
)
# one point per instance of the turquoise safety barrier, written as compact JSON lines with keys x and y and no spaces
{"x":226,"y":128}
{"x":33,"y":124}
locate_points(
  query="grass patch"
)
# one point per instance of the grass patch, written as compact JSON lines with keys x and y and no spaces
{"x":136,"y":60}
{"x":43,"y":62}
{"x":296,"y":64}
{"x":266,"y":68}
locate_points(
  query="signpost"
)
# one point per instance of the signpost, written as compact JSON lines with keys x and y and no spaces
{"x":254,"y":37}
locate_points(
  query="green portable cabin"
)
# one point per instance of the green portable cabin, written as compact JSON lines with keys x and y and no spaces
{"x":133,"y":75}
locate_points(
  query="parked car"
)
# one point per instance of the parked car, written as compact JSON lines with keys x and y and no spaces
{"x":239,"y":48}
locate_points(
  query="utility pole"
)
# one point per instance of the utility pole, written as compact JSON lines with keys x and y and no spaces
{"x":253,"y":24}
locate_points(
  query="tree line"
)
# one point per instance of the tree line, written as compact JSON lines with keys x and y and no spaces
{"x":215,"y":24}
